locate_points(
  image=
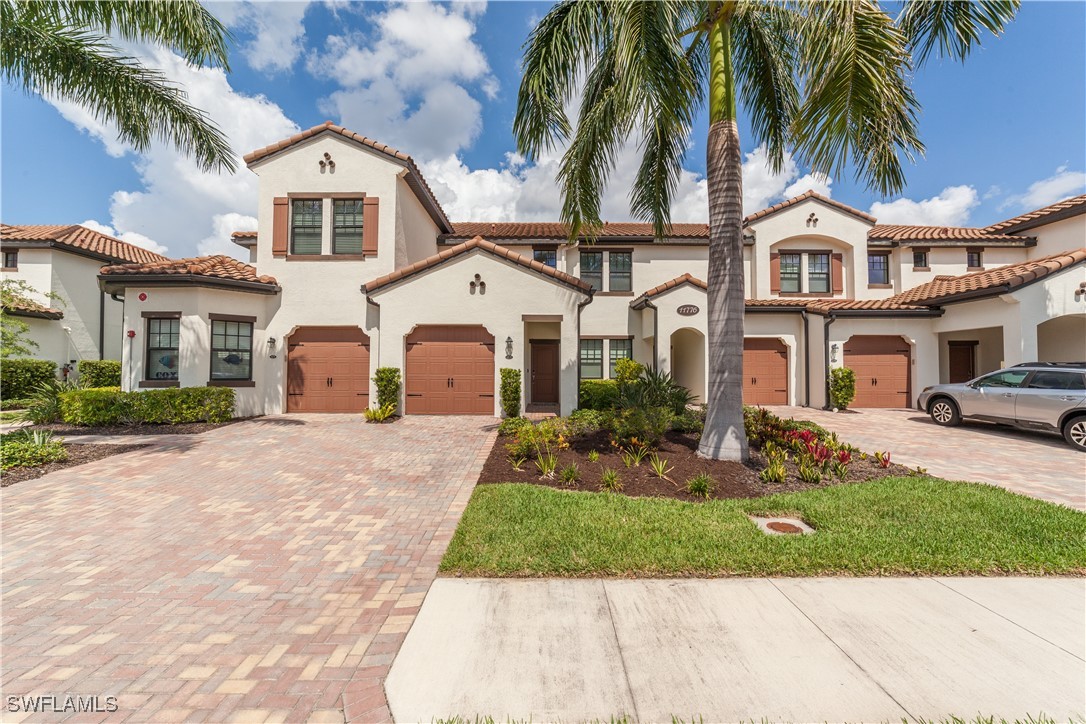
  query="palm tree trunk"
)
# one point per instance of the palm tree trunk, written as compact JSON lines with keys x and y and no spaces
{"x":724,"y":437}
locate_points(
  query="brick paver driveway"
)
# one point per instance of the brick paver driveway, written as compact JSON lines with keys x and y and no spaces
{"x":1026,"y":462}
{"x":267,"y":570}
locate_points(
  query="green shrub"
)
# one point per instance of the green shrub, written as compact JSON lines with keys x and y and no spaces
{"x":387,"y":382}
{"x":627,"y":371}
{"x":689,"y":420}
{"x":645,"y":425}
{"x":842,"y":387}
{"x":510,"y":392}
{"x":99,"y":373}
{"x":701,"y":486}
{"x":379,"y":414}
{"x":655,"y":389}
{"x":14,"y":404}
{"x":512,"y":425}
{"x":43,"y":405}
{"x":598,"y":394}
{"x":586,"y":422}
{"x":23,"y":450}
{"x":20,"y":377}
{"x":171,"y":405}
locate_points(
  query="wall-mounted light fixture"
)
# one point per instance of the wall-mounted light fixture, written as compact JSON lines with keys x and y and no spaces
{"x":833,"y":352}
{"x":271,"y":347}
{"x":509,"y":348}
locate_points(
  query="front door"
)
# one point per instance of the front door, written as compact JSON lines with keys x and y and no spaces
{"x":545,"y":372}
{"x":962,"y":356}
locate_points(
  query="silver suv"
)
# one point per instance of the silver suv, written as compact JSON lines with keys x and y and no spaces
{"x":1035,"y":395}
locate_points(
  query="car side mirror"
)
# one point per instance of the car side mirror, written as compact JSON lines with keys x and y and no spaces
{"x":975,"y":385}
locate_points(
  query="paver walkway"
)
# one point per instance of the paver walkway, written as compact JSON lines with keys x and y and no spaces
{"x":801,"y":650}
{"x":1031,"y":463}
{"x":267,"y":570}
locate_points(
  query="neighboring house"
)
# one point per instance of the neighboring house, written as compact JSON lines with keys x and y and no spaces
{"x":84,"y":323}
{"x":355,"y":266}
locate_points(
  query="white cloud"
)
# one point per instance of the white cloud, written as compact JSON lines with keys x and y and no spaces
{"x":130,"y":236}
{"x":520,"y":192}
{"x":951,"y":207}
{"x":1057,"y":187}
{"x":410,"y":84}
{"x":178,"y":204}
{"x":223,"y":225}
{"x":277,"y":30}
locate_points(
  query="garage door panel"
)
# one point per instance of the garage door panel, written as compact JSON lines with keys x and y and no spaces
{"x":882,"y":367}
{"x":328,"y":370}
{"x":765,"y":371}
{"x":450,"y":371}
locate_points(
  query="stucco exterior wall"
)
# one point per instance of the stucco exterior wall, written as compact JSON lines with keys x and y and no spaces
{"x":194,"y":369}
{"x":988,"y":353}
{"x":951,"y":261}
{"x":441,"y":296}
{"x":1058,"y":236}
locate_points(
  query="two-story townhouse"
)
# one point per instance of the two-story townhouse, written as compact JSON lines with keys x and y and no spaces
{"x":355,"y":266}
{"x":71,"y":318}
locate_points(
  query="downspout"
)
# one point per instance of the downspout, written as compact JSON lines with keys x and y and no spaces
{"x":101,"y":324}
{"x":806,"y":358}
{"x":580,"y":308}
{"x":830,"y":319}
{"x":655,"y":333}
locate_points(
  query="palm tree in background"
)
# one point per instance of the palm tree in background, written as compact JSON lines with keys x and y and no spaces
{"x":63,"y":50}
{"x":828,"y":80}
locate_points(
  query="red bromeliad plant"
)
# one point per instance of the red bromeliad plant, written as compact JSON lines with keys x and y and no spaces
{"x":844,"y":456}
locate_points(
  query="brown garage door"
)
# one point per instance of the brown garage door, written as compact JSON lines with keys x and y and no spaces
{"x":765,"y":372}
{"x":328,"y":370}
{"x":449,"y":371}
{"x":881,"y":364}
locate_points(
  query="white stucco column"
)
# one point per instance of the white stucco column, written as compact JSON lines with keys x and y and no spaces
{"x":1019,"y":333}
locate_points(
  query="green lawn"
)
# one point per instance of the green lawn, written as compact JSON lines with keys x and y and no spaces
{"x":893,"y":526}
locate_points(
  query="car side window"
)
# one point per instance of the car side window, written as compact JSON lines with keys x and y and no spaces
{"x":1057,"y":380}
{"x":1010,"y":378}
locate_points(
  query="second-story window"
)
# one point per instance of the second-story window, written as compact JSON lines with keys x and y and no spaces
{"x":592,"y":269}
{"x":878,"y":268}
{"x":11,"y":260}
{"x":974,"y":259}
{"x":920,"y":260}
{"x":546,"y":256}
{"x":305,"y":226}
{"x":818,"y":273}
{"x":347,"y":226}
{"x":620,"y":271}
{"x":790,"y":268}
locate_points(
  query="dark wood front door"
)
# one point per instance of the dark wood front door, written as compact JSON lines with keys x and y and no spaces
{"x":449,"y":371}
{"x":962,"y":357}
{"x":545,"y":371}
{"x":328,"y":370}
{"x":881,"y":364}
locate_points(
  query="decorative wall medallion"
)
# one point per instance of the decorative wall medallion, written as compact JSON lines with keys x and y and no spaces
{"x":327,"y":162}
{"x":687,"y":310}
{"x":812,"y":221}
{"x":478,"y":284}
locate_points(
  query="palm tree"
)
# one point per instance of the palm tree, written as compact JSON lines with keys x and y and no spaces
{"x":828,"y":80}
{"x":62,"y":49}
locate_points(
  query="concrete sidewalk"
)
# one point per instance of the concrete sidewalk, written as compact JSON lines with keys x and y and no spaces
{"x":826,"y":649}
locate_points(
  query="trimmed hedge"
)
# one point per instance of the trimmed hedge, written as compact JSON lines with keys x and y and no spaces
{"x":597,"y":394}
{"x":172,"y":405}
{"x":510,"y":392}
{"x":20,"y":377}
{"x":100,"y":373}
{"x":842,"y":387}
{"x":387,"y":382}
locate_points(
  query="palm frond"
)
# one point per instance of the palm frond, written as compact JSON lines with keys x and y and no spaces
{"x":764,"y":41}
{"x":859,"y":107}
{"x":80,"y":66}
{"x":952,"y":27}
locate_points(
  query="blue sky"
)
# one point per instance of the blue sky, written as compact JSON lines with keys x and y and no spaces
{"x":1005,"y":132}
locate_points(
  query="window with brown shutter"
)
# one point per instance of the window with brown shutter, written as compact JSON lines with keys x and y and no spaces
{"x":280,"y":225}
{"x":774,"y":272}
{"x":837,"y":270}
{"x":371,"y":207}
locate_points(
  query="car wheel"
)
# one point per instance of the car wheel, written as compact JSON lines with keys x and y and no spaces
{"x":1074,"y":432}
{"x":944,"y":412}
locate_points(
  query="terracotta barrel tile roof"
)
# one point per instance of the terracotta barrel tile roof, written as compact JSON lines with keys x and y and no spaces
{"x":557,"y":230}
{"x":1000,"y":280}
{"x":414,"y":179}
{"x":482,"y":245}
{"x":1068,"y":207}
{"x":216,"y":267}
{"x":33,"y":309}
{"x":887,"y":304}
{"x":667,"y":286}
{"x":777,"y":302}
{"x":244,"y":234}
{"x":803,"y":197}
{"x":74,"y":236}
{"x":908,"y":232}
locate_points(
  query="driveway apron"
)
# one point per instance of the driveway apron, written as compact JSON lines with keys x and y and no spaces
{"x":267,"y":570}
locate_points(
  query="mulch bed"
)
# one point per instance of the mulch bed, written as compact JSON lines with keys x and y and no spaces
{"x":182,"y":428}
{"x":732,"y":480}
{"x":77,"y":455}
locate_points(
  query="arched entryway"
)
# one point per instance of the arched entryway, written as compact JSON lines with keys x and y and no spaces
{"x":688,"y":361}
{"x":1062,"y":339}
